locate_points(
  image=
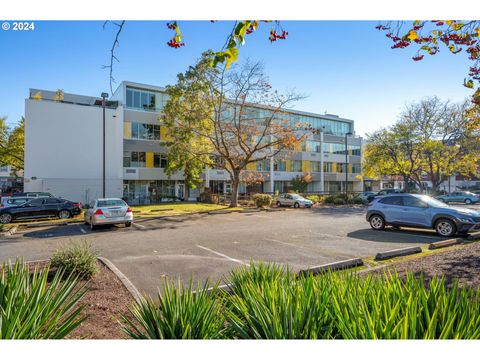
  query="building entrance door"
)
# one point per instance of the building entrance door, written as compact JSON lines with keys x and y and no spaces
{"x":181,"y":191}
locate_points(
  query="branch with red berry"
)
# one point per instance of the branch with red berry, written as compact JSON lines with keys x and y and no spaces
{"x":430,"y":36}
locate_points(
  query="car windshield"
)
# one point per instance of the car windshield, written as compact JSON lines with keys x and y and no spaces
{"x":111,"y":202}
{"x":433,"y":202}
{"x":296,"y":197}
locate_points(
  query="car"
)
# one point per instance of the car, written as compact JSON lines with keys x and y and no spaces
{"x":363,"y":196}
{"x":108,"y":211}
{"x":13,"y":201}
{"x":421,"y":211}
{"x":383,"y":192}
{"x":294,"y":200}
{"x":40,"y":208}
{"x":32,"y":194}
{"x":459,"y":197}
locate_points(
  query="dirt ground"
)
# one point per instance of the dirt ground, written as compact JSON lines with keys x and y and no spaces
{"x":461,"y":264}
{"x":105,"y":301}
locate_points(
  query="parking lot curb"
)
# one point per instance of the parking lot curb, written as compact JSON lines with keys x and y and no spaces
{"x":398,"y":252}
{"x":125,"y":281}
{"x":334,"y":266}
{"x":275,"y":209}
{"x":474,"y":236}
{"x":63,"y":223}
{"x":444,"y":243}
{"x":12,"y":231}
{"x":253,"y":210}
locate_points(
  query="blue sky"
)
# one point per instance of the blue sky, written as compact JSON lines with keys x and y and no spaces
{"x":344,"y":67}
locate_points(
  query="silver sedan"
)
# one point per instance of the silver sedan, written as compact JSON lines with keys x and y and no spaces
{"x":108,"y":211}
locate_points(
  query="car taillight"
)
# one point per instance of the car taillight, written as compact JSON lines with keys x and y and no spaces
{"x":77,"y":205}
{"x":98,"y":212}
{"x":129,"y":210}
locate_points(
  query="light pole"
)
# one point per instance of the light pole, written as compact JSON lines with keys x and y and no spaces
{"x":104,"y":96}
{"x":346,"y":166}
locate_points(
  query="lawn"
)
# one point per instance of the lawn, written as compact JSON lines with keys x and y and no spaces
{"x":176,"y":209}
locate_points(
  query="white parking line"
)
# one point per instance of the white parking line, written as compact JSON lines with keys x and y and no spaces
{"x":82,"y":229}
{"x":138,"y":226}
{"x":223,"y":255}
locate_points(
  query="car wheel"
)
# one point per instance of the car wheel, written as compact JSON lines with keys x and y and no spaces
{"x":279,"y":204}
{"x":468,"y":201}
{"x":64,"y":214}
{"x":5,"y":218}
{"x":296,"y":205}
{"x":128,"y":224}
{"x":445,"y":227}
{"x":377,"y":222}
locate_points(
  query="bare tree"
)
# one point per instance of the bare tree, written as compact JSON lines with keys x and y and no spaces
{"x":247,"y":122}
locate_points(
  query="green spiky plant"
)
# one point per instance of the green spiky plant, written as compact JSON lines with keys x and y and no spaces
{"x":179,"y":313}
{"x":34,"y":307}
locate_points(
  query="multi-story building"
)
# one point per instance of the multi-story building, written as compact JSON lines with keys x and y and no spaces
{"x":64,"y":149}
{"x":11,"y":180}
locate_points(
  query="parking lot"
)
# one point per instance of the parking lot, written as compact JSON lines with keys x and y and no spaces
{"x":209,"y":246}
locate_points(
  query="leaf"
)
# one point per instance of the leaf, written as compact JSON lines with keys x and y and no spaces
{"x":457,"y":26}
{"x":468,"y":84}
{"x":412,"y":35}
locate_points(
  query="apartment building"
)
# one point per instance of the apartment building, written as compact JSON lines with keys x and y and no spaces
{"x":64,"y":150}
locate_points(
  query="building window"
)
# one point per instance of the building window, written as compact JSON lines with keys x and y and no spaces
{"x":137,"y":159}
{"x":296,"y":165}
{"x":126,"y":159}
{"x":327,"y":167}
{"x":263,"y":165}
{"x":356,"y":168}
{"x":145,"y":131}
{"x":279,"y":165}
{"x":159,"y":161}
{"x":315,"y":166}
{"x":141,"y":99}
{"x":311,"y":146}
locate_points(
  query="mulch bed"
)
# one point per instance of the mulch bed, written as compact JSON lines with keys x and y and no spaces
{"x":461,"y":264}
{"x":105,"y":300}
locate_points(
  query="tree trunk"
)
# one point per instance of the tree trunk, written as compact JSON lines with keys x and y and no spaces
{"x":235,"y":184}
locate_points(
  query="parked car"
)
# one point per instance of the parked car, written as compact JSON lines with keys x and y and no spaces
{"x":421,"y":211}
{"x":108,"y":211}
{"x":364,"y":195}
{"x":13,"y":201}
{"x":460,"y":197}
{"x":32,"y":194}
{"x":384,"y":192}
{"x":40,"y":208}
{"x":294,"y":200}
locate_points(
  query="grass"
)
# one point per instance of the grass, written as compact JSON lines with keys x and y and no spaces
{"x":270,"y":302}
{"x":172,"y":209}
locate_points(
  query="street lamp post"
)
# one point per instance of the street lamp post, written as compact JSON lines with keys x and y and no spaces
{"x":104,"y":96}
{"x":346,"y":165}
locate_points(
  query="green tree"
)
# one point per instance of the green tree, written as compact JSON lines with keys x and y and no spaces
{"x":430,"y":138}
{"x":185,"y":115}
{"x":12,"y":144}
{"x":222,"y":114}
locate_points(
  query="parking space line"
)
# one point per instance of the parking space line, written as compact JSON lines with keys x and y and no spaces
{"x":82,"y":229}
{"x":223,"y":255}
{"x":138,"y":226}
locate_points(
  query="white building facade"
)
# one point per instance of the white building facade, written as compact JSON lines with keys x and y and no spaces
{"x":64,"y":150}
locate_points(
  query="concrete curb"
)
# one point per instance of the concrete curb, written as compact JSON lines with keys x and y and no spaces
{"x":444,"y":243}
{"x":12,"y":231}
{"x":275,"y":209}
{"x":252,"y":210}
{"x":125,"y":281}
{"x":398,"y":252}
{"x":219,"y":212}
{"x":334,"y":266}
{"x":63,"y":223}
{"x":474,"y":236}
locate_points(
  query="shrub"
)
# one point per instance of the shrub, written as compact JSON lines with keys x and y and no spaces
{"x":338,"y":201}
{"x":262,"y":200}
{"x":178,"y":314}
{"x":329,"y":199}
{"x":78,"y":259}
{"x":270,"y":302}
{"x":34,"y":307}
{"x":357,"y":201}
{"x":316,"y":198}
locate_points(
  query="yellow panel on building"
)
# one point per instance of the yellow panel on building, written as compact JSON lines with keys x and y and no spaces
{"x":252,"y":166}
{"x":334,"y":168}
{"x":305,"y":166}
{"x":287,"y":165}
{"x":149,"y":159}
{"x":127,"y":130}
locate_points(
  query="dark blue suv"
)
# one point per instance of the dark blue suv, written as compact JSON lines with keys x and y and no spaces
{"x":421,"y":211}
